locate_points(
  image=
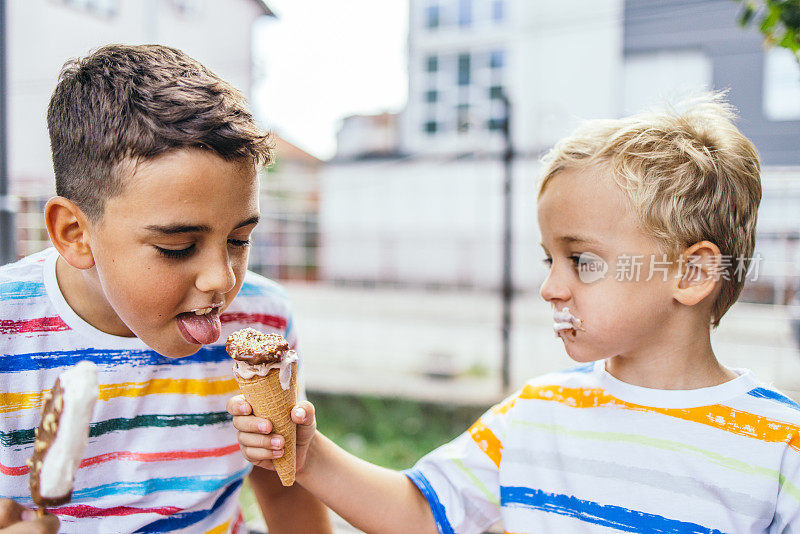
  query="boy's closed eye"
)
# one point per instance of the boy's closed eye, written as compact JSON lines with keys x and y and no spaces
{"x":177,"y":253}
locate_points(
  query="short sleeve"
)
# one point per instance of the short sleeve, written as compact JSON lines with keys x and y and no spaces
{"x":460,"y":479}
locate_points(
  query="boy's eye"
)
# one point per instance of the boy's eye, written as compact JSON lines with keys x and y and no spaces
{"x":548,"y":262}
{"x":239,"y":242}
{"x":173,"y":253}
{"x":575,"y":259}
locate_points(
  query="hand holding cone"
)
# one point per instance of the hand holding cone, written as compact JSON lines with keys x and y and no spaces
{"x":266,"y":371}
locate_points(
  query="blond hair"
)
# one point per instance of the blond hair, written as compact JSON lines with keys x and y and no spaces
{"x":691,"y":176}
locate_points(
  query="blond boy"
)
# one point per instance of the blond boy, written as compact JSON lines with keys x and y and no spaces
{"x":651,"y":433}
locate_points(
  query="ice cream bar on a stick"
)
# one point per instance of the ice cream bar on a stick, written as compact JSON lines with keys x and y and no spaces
{"x":266,"y":371}
{"x":62,"y":435}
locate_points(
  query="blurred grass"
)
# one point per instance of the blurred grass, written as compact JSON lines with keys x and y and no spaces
{"x":389,"y":432}
{"x":392,"y":433}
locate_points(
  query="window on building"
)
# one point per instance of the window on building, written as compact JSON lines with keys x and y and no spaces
{"x":496,"y":92}
{"x":432,"y":16}
{"x":781,"y":87}
{"x":496,"y":59}
{"x":496,"y":124}
{"x":498,"y":10}
{"x":430,"y":127}
{"x":464,"y":13}
{"x":677,"y":74}
{"x":463,"y":69}
{"x":462,"y":118}
{"x":432,"y":64}
{"x":432,"y":96}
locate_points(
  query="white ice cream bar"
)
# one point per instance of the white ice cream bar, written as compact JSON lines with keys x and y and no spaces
{"x":79,"y":391}
{"x":564,"y":320}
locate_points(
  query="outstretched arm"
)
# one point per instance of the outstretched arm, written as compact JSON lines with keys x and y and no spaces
{"x":369,"y":497}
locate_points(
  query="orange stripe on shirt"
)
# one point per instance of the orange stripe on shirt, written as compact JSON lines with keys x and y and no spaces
{"x":716,"y":416}
{"x":487,"y":441}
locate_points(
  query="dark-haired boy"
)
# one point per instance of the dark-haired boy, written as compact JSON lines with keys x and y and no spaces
{"x":155,"y":160}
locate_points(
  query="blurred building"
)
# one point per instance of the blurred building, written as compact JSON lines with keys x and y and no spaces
{"x":43,"y":34}
{"x":368,"y":136}
{"x":285,"y":243}
{"x":431,"y":214}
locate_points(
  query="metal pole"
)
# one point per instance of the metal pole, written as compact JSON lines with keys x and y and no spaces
{"x":508,"y":283}
{"x":8,"y":251}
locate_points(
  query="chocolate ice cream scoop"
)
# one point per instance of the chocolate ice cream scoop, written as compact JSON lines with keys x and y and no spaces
{"x":254,"y":347}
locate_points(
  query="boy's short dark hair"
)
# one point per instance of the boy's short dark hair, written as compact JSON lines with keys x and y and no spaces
{"x":128,"y":103}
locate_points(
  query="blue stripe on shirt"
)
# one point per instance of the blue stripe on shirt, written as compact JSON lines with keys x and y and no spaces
{"x":208,"y":484}
{"x":610,"y":516}
{"x":186,"y":519}
{"x":35,"y":361}
{"x":18,"y":290}
{"x":439,"y":515}
{"x":764,"y":393}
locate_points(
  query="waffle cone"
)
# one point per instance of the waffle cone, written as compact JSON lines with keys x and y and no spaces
{"x":270,"y":401}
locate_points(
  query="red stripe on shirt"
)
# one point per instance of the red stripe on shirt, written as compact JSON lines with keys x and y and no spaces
{"x":82,"y":510}
{"x":166,"y":456}
{"x":42,"y":324}
{"x":274,"y":321}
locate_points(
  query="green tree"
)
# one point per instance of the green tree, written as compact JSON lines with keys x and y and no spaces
{"x":778,"y":20}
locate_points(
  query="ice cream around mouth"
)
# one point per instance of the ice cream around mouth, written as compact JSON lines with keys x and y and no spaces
{"x":564,"y":320}
{"x":256,"y":354}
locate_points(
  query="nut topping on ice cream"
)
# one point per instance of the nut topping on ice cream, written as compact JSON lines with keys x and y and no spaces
{"x":254,"y":347}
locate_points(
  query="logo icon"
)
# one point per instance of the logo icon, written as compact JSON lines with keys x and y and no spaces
{"x":591,"y":268}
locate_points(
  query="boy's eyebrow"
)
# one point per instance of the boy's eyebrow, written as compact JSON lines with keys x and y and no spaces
{"x":578,"y":239}
{"x":192,"y":228}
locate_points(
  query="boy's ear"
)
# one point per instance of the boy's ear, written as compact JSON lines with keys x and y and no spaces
{"x":69,"y":230}
{"x":699,"y":273}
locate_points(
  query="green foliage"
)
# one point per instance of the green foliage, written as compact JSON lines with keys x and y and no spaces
{"x":778,"y":20}
{"x":393,"y":433}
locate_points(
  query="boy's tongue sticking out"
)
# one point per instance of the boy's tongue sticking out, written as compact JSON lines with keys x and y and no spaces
{"x":203,"y":329}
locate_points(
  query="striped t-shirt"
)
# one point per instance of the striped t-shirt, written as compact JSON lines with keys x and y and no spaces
{"x":580,"y":451}
{"x":162,"y":454}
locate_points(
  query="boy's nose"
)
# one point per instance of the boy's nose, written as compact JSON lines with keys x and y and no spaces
{"x":217,"y":275}
{"x":553,"y":289}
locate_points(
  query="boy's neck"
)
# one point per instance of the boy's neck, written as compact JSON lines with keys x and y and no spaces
{"x":86,"y":299}
{"x":673,"y":362}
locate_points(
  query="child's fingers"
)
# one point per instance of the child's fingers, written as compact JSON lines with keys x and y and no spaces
{"x":303,"y":413}
{"x":272,"y":441}
{"x":251,"y":424}
{"x":258,"y":456}
{"x":238,"y":406}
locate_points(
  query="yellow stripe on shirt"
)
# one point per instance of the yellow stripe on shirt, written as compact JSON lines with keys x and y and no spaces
{"x":220,"y":529}
{"x":12,"y":402}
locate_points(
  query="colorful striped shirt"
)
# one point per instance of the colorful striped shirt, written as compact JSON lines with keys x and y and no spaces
{"x":580,"y":451}
{"x":162,"y":453}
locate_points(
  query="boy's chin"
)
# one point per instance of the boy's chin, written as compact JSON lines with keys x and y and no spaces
{"x":176,"y":349}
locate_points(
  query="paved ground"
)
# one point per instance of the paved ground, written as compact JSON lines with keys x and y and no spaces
{"x":390,"y":342}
